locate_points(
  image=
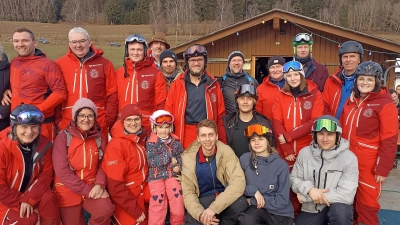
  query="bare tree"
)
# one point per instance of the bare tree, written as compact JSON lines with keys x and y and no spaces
{"x":155,"y":11}
{"x":72,"y":11}
{"x":173,"y":15}
{"x":224,"y":13}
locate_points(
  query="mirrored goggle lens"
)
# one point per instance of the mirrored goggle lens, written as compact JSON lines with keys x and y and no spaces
{"x":294,"y":65}
{"x":200,"y":49}
{"x":164,"y":119}
{"x":302,"y":37}
{"x":329,"y":125}
{"x":30,"y":117}
{"x":256,"y":129}
{"x":132,"y":38}
{"x":246,"y":88}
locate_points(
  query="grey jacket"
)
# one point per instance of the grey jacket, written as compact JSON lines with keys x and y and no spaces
{"x":336,"y":170}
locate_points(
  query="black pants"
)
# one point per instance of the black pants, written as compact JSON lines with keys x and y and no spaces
{"x":336,"y":214}
{"x":227,"y":217}
{"x":255,"y":216}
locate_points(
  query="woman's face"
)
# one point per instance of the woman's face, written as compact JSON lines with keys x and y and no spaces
{"x":293,"y":78}
{"x":132,"y":124}
{"x":27,"y":133}
{"x":85,"y":119}
{"x":259,"y":144}
{"x":365,"y":84}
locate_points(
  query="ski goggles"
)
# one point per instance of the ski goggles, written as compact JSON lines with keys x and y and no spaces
{"x":246,"y":89}
{"x":257,"y":129}
{"x":30,"y":117}
{"x":195,"y":49}
{"x":164,"y":119}
{"x":329,"y":125}
{"x":135,"y":37}
{"x":302,"y":37}
{"x":292,"y":65}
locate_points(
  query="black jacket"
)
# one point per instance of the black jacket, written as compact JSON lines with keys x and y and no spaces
{"x":4,"y":85}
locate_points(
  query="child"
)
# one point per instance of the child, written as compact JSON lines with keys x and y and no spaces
{"x":164,"y":159}
{"x":267,"y":180}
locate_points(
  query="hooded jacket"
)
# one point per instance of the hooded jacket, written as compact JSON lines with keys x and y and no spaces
{"x":12,"y":170}
{"x":229,"y":173}
{"x":272,"y":181}
{"x":37,"y":80}
{"x":294,"y":117}
{"x":94,"y":78}
{"x":78,"y":166}
{"x":370,"y":127}
{"x":231,"y":84}
{"x":4,"y":85}
{"x":177,"y":101}
{"x":267,"y":91}
{"x":336,"y":170}
{"x":332,"y":93}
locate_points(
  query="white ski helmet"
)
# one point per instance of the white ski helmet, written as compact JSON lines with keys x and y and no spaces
{"x":160,"y":117}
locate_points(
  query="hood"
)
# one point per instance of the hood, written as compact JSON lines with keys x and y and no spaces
{"x":4,"y":63}
{"x":383,"y":94}
{"x":118,"y":131}
{"x":331,"y":155}
{"x":235,"y":75}
{"x":36,"y":55}
{"x":96,"y":53}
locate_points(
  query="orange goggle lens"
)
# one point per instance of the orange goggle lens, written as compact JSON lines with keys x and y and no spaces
{"x":164,"y":119}
{"x":257,"y":129}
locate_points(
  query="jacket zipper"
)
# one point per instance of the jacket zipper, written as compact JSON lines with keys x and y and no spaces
{"x":326,"y":177}
{"x":322,"y":165}
{"x":80,"y":76}
{"x":294,"y":124}
{"x":212,"y":175}
{"x":91,"y":159}
{"x":15,"y":179}
{"x":127,"y":88}
{"x":23,"y":171}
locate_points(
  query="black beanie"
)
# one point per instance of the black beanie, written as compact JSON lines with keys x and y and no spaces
{"x":233,"y":54}
{"x":276,"y":60}
{"x":167,"y":53}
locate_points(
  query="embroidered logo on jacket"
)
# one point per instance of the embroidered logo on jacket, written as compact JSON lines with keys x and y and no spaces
{"x":368,"y":112}
{"x":307,"y":105}
{"x":94,"y":73}
{"x":95,"y":65}
{"x":213,"y":97}
{"x":110,"y":163}
{"x":144,"y":84}
{"x":147,"y":75}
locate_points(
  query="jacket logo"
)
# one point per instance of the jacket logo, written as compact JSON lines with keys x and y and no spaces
{"x":144,"y":84}
{"x":212,"y":88}
{"x":110,"y":163}
{"x":368,"y":112}
{"x":95,"y":65}
{"x":147,"y":75}
{"x":94,"y":73}
{"x":373,"y":104}
{"x":307,"y":105}
{"x":213,"y":97}
{"x":271,"y":187}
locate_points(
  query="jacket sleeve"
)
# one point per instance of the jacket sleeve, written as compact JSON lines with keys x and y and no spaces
{"x":115,"y":168}
{"x":281,"y":198}
{"x":277,"y":122}
{"x":347,"y":186}
{"x":63,"y":170}
{"x":259,"y":105}
{"x":388,"y":139}
{"x":177,"y":152}
{"x":55,"y":81}
{"x":42,"y":182}
{"x":221,"y":114}
{"x":297,"y":179}
{"x":111,"y":95}
{"x":305,"y":128}
{"x":326,"y":98}
{"x":160,"y":91}
{"x":8,"y":197}
{"x":190,"y":198}
{"x":236,"y":182}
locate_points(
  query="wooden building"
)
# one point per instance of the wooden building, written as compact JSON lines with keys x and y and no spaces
{"x":271,"y":33}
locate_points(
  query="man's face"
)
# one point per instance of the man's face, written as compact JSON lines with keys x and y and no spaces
{"x":275,"y":71}
{"x":196,"y":65}
{"x":245,"y":103}
{"x":303,"y":50}
{"x":79,"y":44}
{"x":23,"y":44}
{"x":136,"y":51}
{"x":398,"y":90}
{"x":156,"y":48}
{"x":395,"y":98}
{"x":350,"y":62}
{"x":168,"y":65}
{"x":27,"y":133}
{"x":326,"y":140}
{"x":207,"y":138}
{"x":236,"y":64}
{"x":133,"y":124}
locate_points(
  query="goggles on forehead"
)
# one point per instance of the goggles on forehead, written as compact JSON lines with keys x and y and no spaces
{"x":195,"y":49}
{"x":164,"y":119}
{"x":30,"y":117}
{"x":257,"y":129}
{"x":329,"y":125}
{"x":302,"y":37}
{"x":135,"y":37}
{"x":246,"y":88}
{"x":292,"y":65}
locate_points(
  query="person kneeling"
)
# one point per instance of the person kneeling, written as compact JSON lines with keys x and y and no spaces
{"x":325,"y":176}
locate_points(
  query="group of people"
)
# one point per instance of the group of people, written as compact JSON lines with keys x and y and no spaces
{"x":301,"y":147}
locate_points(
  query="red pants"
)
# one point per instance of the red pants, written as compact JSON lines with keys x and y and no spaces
{"x":47,"y":209}
{"x":164,"y":193}
{"x":189,"y":136}
{"x":49,"y":131}
{"x":100,"y":210}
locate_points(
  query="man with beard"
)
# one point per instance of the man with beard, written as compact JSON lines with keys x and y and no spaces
{"x":157,"y":45}
{"x":302,"y":47}
{"x":196,"y":95}
{"x":169,"y":66}
{"x":233,"y":78}
{"x":235,"y":123}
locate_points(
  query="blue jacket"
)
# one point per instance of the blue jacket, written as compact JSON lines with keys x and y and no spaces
{"x":272,"y":181}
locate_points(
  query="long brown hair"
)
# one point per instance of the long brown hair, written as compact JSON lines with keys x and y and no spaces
{"x":357,"y":93}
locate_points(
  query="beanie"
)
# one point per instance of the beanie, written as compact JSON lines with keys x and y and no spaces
{"x":233,"y":54}
{"x":168,"y":54}
{"x":130,"y":110}
{"x":276,"y":60}
{"x":83,"y":103}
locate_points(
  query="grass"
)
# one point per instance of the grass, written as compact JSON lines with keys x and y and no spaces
{"x":101,"y":35}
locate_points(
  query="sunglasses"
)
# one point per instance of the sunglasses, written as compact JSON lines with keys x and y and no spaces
{"x":164,"y":119}
{"x":246,"y":88}
{"x":195,"y":50}
{"x":329,"y":125}
{"x":302,"y":37}
{"x":257,"y":129}
{"x":27,"y":117}
{"x":292,"y":65}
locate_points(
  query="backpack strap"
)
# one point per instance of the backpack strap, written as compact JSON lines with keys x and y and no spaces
{"x":250,"y":79}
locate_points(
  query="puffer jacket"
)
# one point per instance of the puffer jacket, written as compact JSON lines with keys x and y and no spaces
{"x":78,"y":166}
{"x":229,"y":173}
{"x":5,"y":110}
{"x":371,"y":127}
{"x":336,"y":170}
{"x":231,"y":84}
{"x":267,"y":91}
